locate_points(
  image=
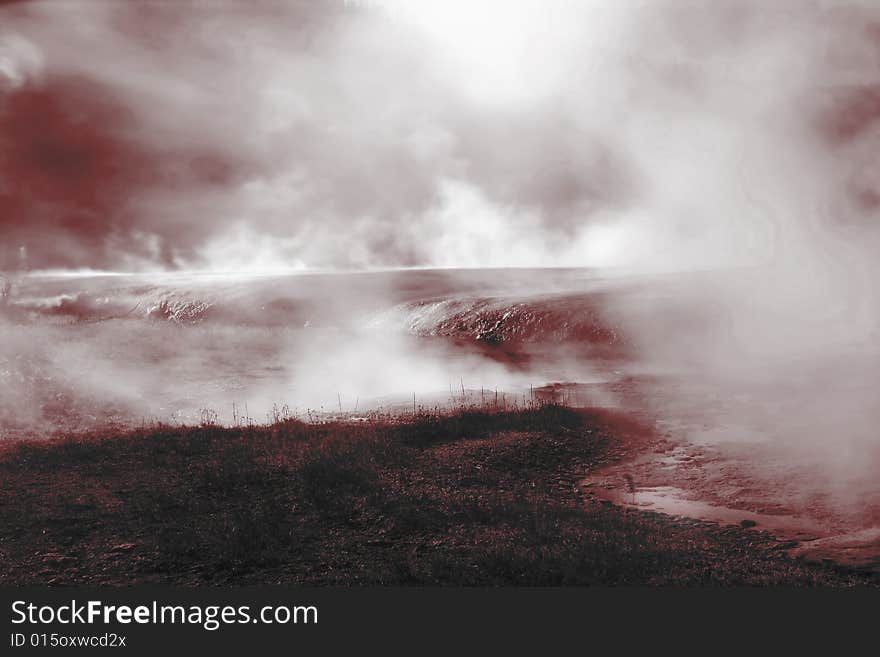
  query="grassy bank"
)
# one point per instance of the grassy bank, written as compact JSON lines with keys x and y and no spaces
{"x":471,"y":498}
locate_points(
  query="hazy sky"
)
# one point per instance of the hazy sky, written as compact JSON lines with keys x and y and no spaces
{"x":323,"y":134}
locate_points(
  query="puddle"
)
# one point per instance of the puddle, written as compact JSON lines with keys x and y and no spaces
{"x":806,"y":537}
{"x":673,"y":501}
{"x":860,"y":549}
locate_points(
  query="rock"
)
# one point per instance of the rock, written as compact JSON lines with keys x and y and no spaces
{"x":122,"y":547}
{"x":55,"y":557}
{"x":745,"y":524}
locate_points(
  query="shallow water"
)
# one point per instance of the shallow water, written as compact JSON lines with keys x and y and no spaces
{"x":750,"y":485}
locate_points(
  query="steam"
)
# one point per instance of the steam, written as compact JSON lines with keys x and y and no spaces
{"x":187,"y":137}
{"x":663,"y":136}
{"x":666,"y":139}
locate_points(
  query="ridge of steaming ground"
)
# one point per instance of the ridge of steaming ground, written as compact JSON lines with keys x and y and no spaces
{"x":539,"y":311}
{"x":474,"y":497}
{"x":80,"y":353}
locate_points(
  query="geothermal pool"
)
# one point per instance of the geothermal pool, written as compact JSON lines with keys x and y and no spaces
{"x":753,"y":419}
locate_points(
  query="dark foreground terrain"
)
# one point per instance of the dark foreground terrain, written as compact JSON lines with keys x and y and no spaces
{"x":471,"y":498}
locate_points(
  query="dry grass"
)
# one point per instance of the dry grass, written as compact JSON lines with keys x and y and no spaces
{"x":474,"y":497}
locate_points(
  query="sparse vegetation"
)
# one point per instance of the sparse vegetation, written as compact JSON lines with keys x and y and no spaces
{"x":5,"y":290}
{"x":472,"y":497}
